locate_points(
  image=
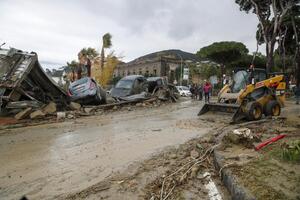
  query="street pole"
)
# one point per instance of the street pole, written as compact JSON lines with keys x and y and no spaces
{"x":180,"y":69}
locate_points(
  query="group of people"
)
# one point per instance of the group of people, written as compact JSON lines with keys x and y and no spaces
{"x":198,"y":91}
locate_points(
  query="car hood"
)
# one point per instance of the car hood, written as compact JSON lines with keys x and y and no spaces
{"x":120,"y":92}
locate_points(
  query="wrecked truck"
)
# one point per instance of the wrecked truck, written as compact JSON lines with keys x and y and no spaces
{"x":23,"y":82}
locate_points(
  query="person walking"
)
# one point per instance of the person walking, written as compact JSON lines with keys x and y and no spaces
{"x":192,"y":91}
{"x":206,"y":89}
{"x":196,"y":91}
{"x":200,"y":92}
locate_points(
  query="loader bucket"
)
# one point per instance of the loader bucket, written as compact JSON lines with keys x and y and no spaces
{"x":221,"y":107}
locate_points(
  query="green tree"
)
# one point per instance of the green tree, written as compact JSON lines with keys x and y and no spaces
{"x":270,"y":14}
{"x":289,"y":42}
{"x":71,"y":68}
{"x":208,"y":70}
{"x":246,"y":60}
{"x":223,"y":53}
{"x":89,"y":52}
{"x":106,"y":43}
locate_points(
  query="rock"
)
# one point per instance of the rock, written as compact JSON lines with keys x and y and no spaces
{"x":88,"y":110}
{"x":194,"y":154}
{"x":115,"y":108}
{"x":50,"y":108}
{"x":75,"y":106}
{"x":139,"y":104}
{"x":233,"y":138}
{"x":194,"y":171}
{"x":129,"y":109}
{"x":173,"y":156}
{"x":60,"y":115}
{"x":242,"y":136}
{"x":144,"y":105}
{"x":37,"y":114}
{"x":23,"y":114}
{"x":70,"y":116}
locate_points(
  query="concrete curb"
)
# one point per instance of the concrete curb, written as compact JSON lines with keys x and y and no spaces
{"x":237,"y":191}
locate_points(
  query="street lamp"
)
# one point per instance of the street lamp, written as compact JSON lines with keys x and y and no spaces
{"x":180,"y":68}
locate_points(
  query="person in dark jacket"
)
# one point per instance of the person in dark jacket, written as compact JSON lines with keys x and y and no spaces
{"x":192,"y":90}
{"x":200,"y":91}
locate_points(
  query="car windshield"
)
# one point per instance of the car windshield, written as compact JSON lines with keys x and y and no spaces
{"x":125,"y":84}
{"x":240,"y":81}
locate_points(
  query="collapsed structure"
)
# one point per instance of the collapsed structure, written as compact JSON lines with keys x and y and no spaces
{"x":24,"y":83}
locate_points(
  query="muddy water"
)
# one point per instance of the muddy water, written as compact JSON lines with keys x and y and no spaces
{"x":48,"y":161}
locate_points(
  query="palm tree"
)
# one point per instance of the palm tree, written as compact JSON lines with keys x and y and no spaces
{"x":106,"y":43}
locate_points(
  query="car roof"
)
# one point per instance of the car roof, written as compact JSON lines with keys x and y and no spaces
{"x":153,"y":78}
{"x":132,"y":77}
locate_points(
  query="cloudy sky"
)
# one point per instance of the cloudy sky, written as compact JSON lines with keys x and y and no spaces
{"x":57,"y":29}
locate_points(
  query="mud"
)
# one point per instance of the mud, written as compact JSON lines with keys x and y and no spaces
{"x":51,"y":161}
{"x":265,"y":173}
{"x":173,"y":168}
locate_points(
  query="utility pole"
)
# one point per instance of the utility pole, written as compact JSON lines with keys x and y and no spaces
{"x":180,"y":69}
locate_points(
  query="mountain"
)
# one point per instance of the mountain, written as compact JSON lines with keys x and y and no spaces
{"x":171,"y":53}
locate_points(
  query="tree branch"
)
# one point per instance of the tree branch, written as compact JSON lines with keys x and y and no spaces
{"x":261,"y":21}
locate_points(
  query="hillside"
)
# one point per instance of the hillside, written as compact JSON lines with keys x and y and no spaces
{"x":172,"y":53}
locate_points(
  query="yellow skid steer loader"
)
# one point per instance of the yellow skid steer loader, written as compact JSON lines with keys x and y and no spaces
{"x":250,"y":96}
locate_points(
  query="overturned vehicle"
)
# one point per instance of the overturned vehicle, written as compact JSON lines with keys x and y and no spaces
{"x":23,"y":82}
{"x":87,"y":91}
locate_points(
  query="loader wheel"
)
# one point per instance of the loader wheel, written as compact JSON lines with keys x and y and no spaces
{"x":273,"y":108}
{"x":254,"y":111}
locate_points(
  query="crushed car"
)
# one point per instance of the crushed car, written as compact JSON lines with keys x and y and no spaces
{"x":159,"y":86}
{"x":128,"y":86}
{"x":87,"y":91}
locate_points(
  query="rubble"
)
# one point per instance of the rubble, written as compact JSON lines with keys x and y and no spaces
{"x":242,"y":136}
{"x":88,"y":110}
{"x":74,"y":106}
{"x":50,"y":108}
{"x":23,"y":79}
{"x":60,"y":115}
{"x":23,"y":114}
{"x":37,"y":114}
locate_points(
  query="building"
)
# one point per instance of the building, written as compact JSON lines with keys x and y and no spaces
{"x":165,"y":63}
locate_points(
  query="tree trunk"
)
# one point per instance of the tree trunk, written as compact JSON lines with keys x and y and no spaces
{"x":298,"y":71}
{"x":102,"y":58}
{"x":270,"y":56}
{"x":297,"y":53}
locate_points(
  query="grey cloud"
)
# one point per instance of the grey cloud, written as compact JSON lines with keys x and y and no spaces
{"x":57,"y":30}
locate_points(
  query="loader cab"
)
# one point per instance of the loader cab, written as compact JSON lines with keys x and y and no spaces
{"x":242,"y":77}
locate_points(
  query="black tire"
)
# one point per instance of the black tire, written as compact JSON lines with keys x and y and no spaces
{"x":273,"y":108}
{"x":254,"y":111}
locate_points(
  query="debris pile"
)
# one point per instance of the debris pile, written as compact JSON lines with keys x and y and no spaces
{"x":197,"y":164}
{"x":24,"y":84}
{"x":242,"y":136}
{"x":26,"y":92}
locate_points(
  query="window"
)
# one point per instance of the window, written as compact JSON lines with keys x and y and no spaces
{"x":154,"y":72}
{"x":125,"y":84}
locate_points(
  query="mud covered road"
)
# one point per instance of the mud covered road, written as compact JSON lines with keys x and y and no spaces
{"x":50,"y":161}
